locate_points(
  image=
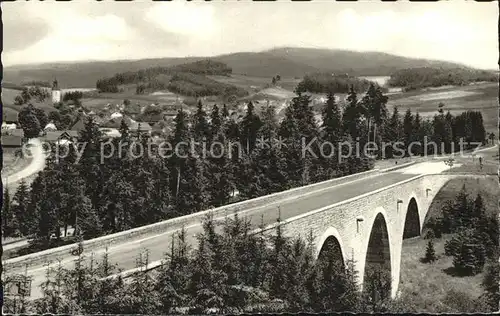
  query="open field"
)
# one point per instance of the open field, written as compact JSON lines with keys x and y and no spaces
{"x":425,"y":286}
{"x":8,"y":96}
{"x":482,"y":97}
{"x":253,"y":84}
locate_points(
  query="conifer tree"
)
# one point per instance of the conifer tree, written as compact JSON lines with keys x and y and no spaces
{"x":201,"y":128}
{"x":176,"y":163}
{"x":418,"y":134}
{"x":269,"y":128}
{"x":490,"y":284}
{"x":332,"y":132}
{"x":408,"y":130}
{"x":10,"y":223}
{"x":225,"y":112}
{"x":393,"y":132}
{"x":20,"y":205}
{"x":215,"y":121}
{"x":351,"y":119}
{"x":332,"y":120}
{"x":430,"y":253}
{"x":193,"y":195}
{"x":249,"y":127}
{"x":288,"y":131}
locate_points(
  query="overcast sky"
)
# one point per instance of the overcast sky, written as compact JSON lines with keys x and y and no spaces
{"x":460,"y":31}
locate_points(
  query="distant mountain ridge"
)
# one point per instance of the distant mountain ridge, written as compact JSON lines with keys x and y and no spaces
{"x":285,"y":61}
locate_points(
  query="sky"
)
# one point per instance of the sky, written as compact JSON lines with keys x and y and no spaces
{"x":454,"y":30}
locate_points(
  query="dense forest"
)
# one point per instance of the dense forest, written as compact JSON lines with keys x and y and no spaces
{"x":186,"y":79}
{"x":328,"y":82}
{"x":417,"y":78}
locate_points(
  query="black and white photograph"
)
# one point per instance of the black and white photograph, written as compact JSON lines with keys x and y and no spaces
{"x":250,"y":157}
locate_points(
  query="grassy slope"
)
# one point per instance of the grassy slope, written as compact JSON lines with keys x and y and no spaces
{"x":8,"y":96}
{"x":426,"y":285}
{"x":484,"y":99}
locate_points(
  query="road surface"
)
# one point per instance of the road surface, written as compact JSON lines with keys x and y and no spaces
{"x":37,"y":164}
{"x":125,"y":254}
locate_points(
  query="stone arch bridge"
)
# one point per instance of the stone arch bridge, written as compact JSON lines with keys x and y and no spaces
{"x":370,"y":228}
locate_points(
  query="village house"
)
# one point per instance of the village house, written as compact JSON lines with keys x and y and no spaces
{"x":9,"y":116}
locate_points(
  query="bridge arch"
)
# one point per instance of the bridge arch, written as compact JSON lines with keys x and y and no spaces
{"x":330,"y":247}
{"x":378,"y":269}
{"x":412,"y":226}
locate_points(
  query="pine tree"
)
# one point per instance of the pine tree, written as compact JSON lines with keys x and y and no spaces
{"x":249,"y":127}
{"x":374,"y":104}
{"x":219,"y":172}
{"x":201,"y":128}
{"x":176,"y":162}
{"x":430,"y":253}
{"x":193,"y":195}
{"x":490,"y":284}
{"x":351,"y":119}
{"x":393,"y":132}
{"x":10,"y":223}
{"x":288,"y":131}
{"x":215,"y":121}
{"x":225,"y":112}
{"x":332,"y":132}
{"x":124,"y":130}
{"x":20,"y":203}
{"x":269,"y":128}
{"x":408,"y":130}
{"x":332,"y":120}
{"x":89,"y":165}
{"x":418,"y":134}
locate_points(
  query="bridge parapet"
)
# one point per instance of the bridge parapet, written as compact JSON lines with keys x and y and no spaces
{"x":42,"y":257}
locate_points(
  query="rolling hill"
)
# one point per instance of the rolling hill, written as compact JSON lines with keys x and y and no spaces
{"x":288,"y":62}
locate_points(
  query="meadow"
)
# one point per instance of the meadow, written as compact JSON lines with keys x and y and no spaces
{"x":483,"y":97}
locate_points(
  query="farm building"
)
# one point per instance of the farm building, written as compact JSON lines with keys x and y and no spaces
{"x":60,"y":136}
{"x":115,"y":123}
{"x":9,"y":115}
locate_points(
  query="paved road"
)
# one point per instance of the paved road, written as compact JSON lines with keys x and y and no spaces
{"x":126,"y":254}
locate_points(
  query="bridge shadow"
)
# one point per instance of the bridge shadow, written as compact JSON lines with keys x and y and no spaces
{"x":330,"y":254}
{"x":412,"y":221}
{"x":377,"y":274}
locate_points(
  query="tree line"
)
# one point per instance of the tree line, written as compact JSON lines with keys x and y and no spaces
{"x":151,"y":78}
{"x":327,"y":82}
{"x":33,"y":119}
{"x":31,"y":93}
{"x":417,"y":78}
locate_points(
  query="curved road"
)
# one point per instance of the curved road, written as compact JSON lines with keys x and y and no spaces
{"x":37,"y":163}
